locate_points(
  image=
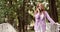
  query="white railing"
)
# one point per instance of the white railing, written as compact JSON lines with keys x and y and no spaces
{"x":52,"y":28}
{"x":6,"y":27}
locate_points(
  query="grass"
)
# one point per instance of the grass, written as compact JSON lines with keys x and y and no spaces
{"x":31,"y":31}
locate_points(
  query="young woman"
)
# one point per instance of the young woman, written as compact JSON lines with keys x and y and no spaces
{"x":40,"y":18}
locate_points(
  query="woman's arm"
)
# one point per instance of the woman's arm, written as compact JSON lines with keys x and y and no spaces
{"x":49,"y":18}
{"x":36,"y":13}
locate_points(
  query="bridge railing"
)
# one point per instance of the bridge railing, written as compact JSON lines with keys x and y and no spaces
{"x":52,"y":28}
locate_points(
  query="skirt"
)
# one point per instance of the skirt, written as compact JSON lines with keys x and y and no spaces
{"x":40,"y":27}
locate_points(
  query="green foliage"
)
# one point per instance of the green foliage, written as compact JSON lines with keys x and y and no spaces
{"x":10,"y":12}
{"x":58,"y":9}
{"x":6,"y":10}
{"x":2,"y":10}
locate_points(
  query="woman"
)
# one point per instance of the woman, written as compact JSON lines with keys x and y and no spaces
{"x":40,"y":18}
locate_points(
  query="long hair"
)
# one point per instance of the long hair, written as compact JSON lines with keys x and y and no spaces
{"x":42,"y":7}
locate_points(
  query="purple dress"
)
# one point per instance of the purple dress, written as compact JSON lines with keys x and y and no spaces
{"x":40,"y":21}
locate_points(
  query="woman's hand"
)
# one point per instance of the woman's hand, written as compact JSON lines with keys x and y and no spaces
{"x":38,"y":10}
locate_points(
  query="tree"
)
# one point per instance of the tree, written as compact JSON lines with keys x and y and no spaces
{"x":53,"y":10}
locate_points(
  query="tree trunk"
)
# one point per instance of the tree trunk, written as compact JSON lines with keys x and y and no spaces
{"x":20,"y":24}
{"x":53,"y":10}
{"x":22,"y":20}
{"x":24,"y":3}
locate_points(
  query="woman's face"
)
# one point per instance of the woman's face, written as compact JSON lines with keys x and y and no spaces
{"x":40,"y":6}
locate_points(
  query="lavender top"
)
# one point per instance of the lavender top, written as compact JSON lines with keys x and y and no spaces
{"x":41,"y":20}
